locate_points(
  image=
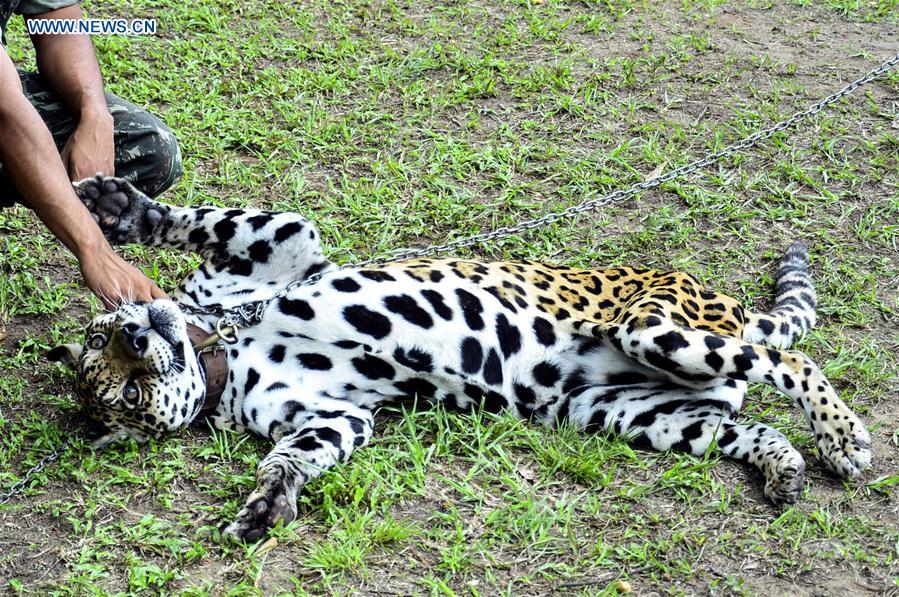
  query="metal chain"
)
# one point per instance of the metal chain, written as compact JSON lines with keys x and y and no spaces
{"x":18,"y":487}
{"x":250,"y":313}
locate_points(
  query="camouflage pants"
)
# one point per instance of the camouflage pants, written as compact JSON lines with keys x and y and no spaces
{"x":146,"y":152}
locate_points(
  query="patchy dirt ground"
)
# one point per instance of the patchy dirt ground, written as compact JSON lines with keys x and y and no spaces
{"x":393,"y":124}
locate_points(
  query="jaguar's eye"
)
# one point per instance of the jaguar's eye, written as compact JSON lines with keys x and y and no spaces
{"x":97,"y":341}
{"x":131,"y":393}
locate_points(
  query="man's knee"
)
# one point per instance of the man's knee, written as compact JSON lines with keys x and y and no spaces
{"x":147,"y":153}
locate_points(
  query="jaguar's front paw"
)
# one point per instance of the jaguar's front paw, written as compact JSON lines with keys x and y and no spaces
{"x":263,"y":510}
{"x":123,"y":213}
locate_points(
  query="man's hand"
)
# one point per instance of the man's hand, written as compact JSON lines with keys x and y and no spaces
{"x":90,"y":149}
{"x":29,"y":157}
{"x":114,"y":280}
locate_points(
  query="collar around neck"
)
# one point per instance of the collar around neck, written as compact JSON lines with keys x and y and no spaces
{"x":214,"y":364}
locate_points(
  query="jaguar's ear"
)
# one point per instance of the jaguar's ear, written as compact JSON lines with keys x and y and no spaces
{"x":67,"y":354}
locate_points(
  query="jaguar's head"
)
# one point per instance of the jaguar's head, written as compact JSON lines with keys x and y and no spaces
{"x":137,"y":373}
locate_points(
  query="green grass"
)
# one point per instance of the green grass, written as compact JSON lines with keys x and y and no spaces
{"x":397,"y":124}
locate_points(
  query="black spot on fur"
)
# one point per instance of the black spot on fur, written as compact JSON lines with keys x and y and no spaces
{"x":690,"y":432}
{"x":240,"y":267}
{"x":641,"y":440}
{"x":276,"y":354}
{"x":493,"y":368}
{"x":252,"y":380}
{"x":306,"y":444}
{"x":296,"y":308}
{"x":450,"y":402}
{"x":346,"y":285}
{"x":406,"y":307}
{"x":543,"y":329}
{"x":366,"y":321}
{"x":258,"y":222}
{"x":356,"y":424}
{"x":347,"y":344}
{"x":314,"y":269}
{"x":744,"y":361}
{"x":286,"y":231}
{"x":436,"y":301}
{"x":377,"y":276}
{"x":471,"y":309}
{"x":373,"y":367}
{"x":671,"y":341}
{"x":574,"y":381}
{"x":589,"y":346}
{"x":597,"y":421}
{"x":494,"y":402}
{"x":648,"y":417}
{"x":317,"y":362}
{"x":328,"y":435}
{"x":198,"y":236}
{"x":727,"y":438}
{"x":472,"y":355}
{"x":788,"y":382}
{"x":332,"y":414}
{"x":416,"y":387}
{"x":714,"y":360}
{"x":524,"y":393}
{"x":626,"y":378}
{"x":260,"y":251}
{"x":713,"y":342}
{"x":502,"y":300}
{"x":508,"y":335}
{"x":415,"y":359}
{"x":546,"y":374}
{"x":224,"y":230}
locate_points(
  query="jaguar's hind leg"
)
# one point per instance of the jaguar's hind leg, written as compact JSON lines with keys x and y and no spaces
{"x":694,"y":358}
{"x":325,"y":438}
{"x":663,"y":416}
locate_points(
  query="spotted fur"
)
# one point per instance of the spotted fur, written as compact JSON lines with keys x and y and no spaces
{"x":652,"y":356}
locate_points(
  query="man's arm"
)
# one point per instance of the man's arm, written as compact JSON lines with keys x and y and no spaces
{"x":69,"y":65}
{"x":30,"y":159}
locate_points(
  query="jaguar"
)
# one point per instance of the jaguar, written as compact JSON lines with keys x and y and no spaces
{"x":651,"y":356}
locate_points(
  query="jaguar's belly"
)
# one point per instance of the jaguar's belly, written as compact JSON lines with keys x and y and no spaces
{"x":282,"y":374}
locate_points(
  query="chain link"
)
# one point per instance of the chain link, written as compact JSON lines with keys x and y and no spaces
{"x":251,"y":312}
{"x":18,"y":487}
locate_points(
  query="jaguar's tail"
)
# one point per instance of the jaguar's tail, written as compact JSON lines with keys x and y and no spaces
{"x":794,"y":303}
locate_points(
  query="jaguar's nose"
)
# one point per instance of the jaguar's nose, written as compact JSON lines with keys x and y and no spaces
{"x":135,"y":338}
